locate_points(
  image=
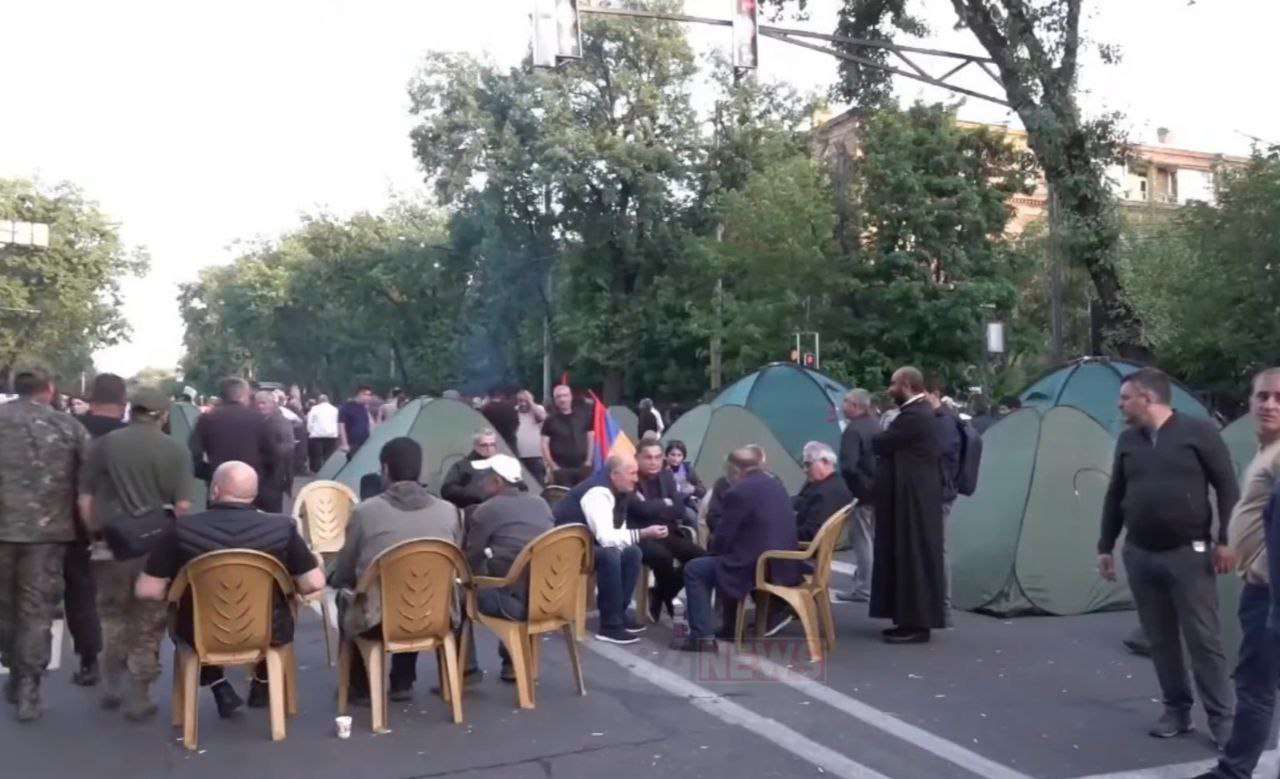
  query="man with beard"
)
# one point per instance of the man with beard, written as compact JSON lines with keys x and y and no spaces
{"x":907,"y":581}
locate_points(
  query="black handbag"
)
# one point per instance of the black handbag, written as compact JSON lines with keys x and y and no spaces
{"x":130,"y":536}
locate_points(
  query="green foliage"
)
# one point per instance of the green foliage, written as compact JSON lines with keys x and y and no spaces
{"x":59,"y":304}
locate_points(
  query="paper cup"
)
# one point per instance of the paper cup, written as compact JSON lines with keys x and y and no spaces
{"x":344,"y":726}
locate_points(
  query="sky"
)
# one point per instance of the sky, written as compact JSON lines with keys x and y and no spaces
{"x":197,"y":126}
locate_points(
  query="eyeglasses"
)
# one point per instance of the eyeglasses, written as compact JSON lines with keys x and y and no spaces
{"x":808,"y":463}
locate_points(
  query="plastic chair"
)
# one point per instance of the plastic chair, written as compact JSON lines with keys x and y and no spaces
{"x":554,"y":493}
{"x":322,"y":511}
{"x":232,"y":601}
{"x":416,"y":580}
{"x":811,"y":599}
{"x":557,"y":562}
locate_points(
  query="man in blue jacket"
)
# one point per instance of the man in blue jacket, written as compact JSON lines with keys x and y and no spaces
{"x":757,"y":517}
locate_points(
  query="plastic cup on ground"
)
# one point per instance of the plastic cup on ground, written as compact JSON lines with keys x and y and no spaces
{"x":343,"y":724}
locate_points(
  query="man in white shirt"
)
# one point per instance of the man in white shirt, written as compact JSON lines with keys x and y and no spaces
{"x":322,"y":432}
{"x":600,"y":503}
{"x":529,"y":434}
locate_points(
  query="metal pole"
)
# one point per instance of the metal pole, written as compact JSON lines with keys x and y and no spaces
{"x":546,"y":312}
{"x":817,"y":351}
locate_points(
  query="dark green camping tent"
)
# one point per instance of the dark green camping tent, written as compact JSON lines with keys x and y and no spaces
{"x":711,"y":433}
{"x":443,"y":427}
{"x":627,"y":420}
{"x":798,"y":405}
{"x":182,"y":420}
{"x":1092,"y":384}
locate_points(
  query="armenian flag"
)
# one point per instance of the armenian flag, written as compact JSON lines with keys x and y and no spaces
{"x":607,"y":435}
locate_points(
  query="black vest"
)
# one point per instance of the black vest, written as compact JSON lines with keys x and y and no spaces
{"x":225,"y":526}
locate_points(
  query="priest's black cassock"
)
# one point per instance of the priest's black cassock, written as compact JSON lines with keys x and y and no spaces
{"x":907,"y":580}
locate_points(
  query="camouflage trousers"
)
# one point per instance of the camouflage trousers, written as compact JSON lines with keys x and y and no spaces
{"x":30,"y":591}
{"x":131,"y":628}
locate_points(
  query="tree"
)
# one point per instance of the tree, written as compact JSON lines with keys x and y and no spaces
{"x":60,"y":304}
{"x":1035,"y":45}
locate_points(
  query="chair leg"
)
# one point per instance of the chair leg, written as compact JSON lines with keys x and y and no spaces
{"x":327,"y":616}
{"x":535,"y":658}
{"x":574,"y":659}
{"x":190,"y":688}
{"x":642,"y":595}
{"x":175,"y":697}
{"x":740,"y":624}
{"x":580,"y":623}
{"x":373,"y":663}
{"x":823,"y":600}
{"x":805,"y":607}
{"x":516,"y":646}
{"x":344,"y":676}
{"x":453,"y":675}
{"x":275,"y":693}
{"x":442,"y":674}
{"x":290,"y":681}
{"x":762,"y":613}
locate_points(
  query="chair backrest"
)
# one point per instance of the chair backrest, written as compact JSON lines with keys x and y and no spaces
{"x":824,"y":544}
{"x":417,"y":579}
{"x":554,"y":493}
{"x":232,"y":599}
{"x":322,"y":510}
{"x":557,"y":560}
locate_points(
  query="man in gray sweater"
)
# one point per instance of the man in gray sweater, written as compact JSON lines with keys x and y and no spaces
{"x":404,"y":511}
{"x":500,"y":527}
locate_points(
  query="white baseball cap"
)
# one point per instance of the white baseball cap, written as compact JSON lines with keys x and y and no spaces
{"x":504,"y":465}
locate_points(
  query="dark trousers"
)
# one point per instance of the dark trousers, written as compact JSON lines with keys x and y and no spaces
{"x":319,"y":450}
{"x":1257,"y":674}
{"x":535,"y":466}
{"x":502,"y":604}
{"x":404,"y":665}
{"x":270,"y":499}
{"x":80,"y":601}
{"x":661,"y":554}
{"x":1177,"y":600}
{"x":699,"y":581}
{"x":616,"y":571}
{"x":570,"y":477}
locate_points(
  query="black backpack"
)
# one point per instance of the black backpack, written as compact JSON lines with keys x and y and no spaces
{"x":970,"y":457}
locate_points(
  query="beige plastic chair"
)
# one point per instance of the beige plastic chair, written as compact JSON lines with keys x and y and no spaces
{"x":557,"y":562}
{"x":322,"y":511}
{"x":232,"y":600}
{"x":416,"y":579}
{"x":811,"y":599}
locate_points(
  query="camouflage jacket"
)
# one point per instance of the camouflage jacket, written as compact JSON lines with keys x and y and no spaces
{"x":40,"y":455}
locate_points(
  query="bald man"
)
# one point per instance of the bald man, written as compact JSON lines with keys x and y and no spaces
{"x":231,"y":523}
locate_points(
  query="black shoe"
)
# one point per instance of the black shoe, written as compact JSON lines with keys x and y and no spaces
{"x":655,"y":606}
{"x":692,"y":644}
{"x":1172,"y":724}
{"x":632,"y":626}
{"x":88,"y":675}
{"x":469,"y":677}
{"x":403,"y":694}
{"x":616,"y":636}
{"x":259,"y":694}
{"x":908,"y":636}
{"x":227,"y":698}
{"x":508,"y":673}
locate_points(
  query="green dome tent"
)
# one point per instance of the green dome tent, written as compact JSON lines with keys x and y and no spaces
{"x":1241,"y":437}
{"x":1025,"y":542}
{"x":798,"y":405}
{"x":627,"y":421}
{"x":443,"y":427}
{"x":1092,"y":384}
{"x":711,"y":433}
{"x":182,"y":421}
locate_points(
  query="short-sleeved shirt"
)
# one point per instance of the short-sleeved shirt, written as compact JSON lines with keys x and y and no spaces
{"x":355,"y":416}
{"x":41,"y":451}
{"x":136,"y":469}
{"x":568,"y":436}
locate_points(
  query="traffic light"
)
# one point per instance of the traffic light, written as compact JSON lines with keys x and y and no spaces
{"x":745,"y":34}
{"x":557,"y":32}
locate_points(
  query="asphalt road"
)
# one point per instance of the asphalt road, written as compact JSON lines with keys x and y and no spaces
{"x":1032,"y":697}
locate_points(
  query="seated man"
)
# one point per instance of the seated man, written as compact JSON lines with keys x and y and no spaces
{"x":757,"y":518}
{"x":600,"y":503}
{"x":231,"y":523}
{"x":496,"y":532}
{"x":463,"y":485}
{"x":824,"y":492}
{"x":402,"y":512}
{"x":657,"y":500}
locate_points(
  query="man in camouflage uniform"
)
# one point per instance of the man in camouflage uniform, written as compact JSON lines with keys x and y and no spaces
{"x":130,"y":472}
{"x":41,"y":451}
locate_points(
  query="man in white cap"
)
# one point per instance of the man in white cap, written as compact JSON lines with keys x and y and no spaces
{"x":501,"y":526}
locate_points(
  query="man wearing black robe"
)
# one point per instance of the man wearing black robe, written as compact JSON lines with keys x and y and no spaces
{"x":907,"y":581}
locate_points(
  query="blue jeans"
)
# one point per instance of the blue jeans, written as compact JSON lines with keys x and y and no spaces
{"x":699,"y":581}
{"x":617,"y":569}
{"x":1257,"y":673}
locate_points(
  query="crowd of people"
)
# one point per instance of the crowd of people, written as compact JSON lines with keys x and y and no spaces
{"x":96,"y":513}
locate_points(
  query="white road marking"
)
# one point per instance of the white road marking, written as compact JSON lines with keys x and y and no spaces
{"x":725,"y":710}
{"x":881,"y":720}
{"x":847,"y":569}
{"x":1268,"y":764}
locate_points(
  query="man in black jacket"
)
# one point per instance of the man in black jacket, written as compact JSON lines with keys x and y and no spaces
{"x":824,"y":492}
{"x":1165,"y":463}
{"x":232,"y":432}
{"x":463,"y":485}
{"x":657,"y":501}
{"x":858,"y":469}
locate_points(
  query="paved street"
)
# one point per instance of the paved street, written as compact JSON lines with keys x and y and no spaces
{"x":1040,"y":697}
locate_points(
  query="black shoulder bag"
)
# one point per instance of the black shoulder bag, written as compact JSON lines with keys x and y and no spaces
{"x":130,"y":536}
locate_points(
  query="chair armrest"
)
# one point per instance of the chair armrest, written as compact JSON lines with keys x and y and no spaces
{"x":762,"y":563}
{"x":804,"y":545}
{"x":490,"y":582}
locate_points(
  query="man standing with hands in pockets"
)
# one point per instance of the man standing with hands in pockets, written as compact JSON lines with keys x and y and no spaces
{"x":1164,"y":464}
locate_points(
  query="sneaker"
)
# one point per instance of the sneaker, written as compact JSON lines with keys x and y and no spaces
{"x":692,"y":644}
{"x":616,"y":636}
{"x":227,"y":698}
{"x":633,"y":626}
{"x":777,"y":623}
{"x":1172,"y":724}
{"x":259,"y":694}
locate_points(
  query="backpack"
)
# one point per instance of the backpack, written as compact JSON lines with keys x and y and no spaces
{"x":970,"y":457}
